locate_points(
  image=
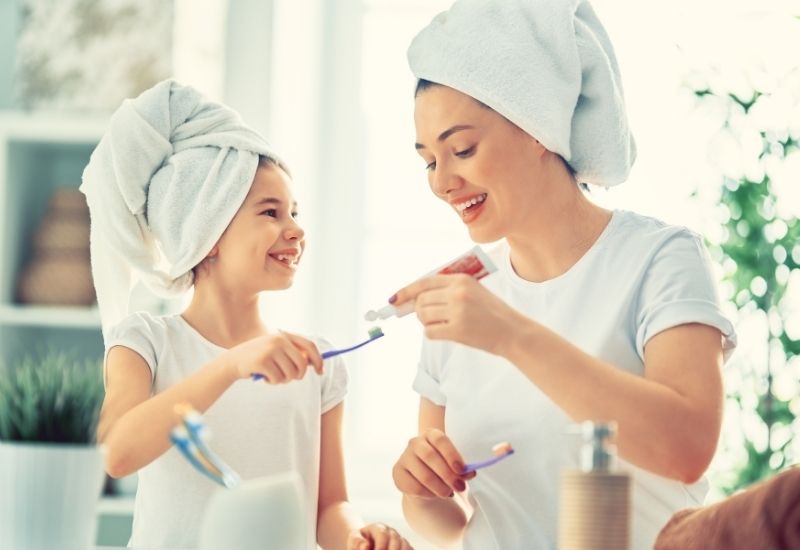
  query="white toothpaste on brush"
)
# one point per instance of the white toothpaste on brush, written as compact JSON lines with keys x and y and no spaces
{"x":473,"y":262}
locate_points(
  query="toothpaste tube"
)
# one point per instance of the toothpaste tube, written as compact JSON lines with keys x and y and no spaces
{"x":473,"y":262}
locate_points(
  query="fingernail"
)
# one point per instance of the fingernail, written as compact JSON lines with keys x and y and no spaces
{"x":393,"y":299}
{"x":460,"y":486}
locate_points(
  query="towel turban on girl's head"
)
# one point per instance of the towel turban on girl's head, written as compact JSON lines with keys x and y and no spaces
{"x":547,"y":66}
{"x":164,"y":182}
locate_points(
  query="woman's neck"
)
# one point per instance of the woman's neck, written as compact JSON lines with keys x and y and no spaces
{"x":558,"y":235}
{"x":224,"y":318}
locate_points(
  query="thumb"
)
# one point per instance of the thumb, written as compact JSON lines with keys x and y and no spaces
{"x":358,"y":541}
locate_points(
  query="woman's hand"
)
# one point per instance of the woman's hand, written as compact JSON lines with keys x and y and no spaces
{"x":376,"y":536}
{"x":430,"y":467}
{"x":280,"y":358}
{"x":459,"y":308}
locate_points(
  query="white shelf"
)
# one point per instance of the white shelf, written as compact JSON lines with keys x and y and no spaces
{"x":116,"y":506}
{"x":50,"y":316}
{"x":52,"y":127}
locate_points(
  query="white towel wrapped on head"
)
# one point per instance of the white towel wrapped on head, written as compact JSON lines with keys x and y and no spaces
{"x":164,"y":182}
{"x":547,"y":66}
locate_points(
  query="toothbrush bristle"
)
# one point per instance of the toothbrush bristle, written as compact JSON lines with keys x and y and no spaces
{"x":375,"y":332}
{"x":502,"y":448}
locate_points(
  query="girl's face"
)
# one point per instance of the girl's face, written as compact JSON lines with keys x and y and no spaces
{"x":262,"y":246}
{"x":485,"y":167}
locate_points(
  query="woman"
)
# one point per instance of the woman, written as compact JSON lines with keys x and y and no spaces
{"x":593,"y":315}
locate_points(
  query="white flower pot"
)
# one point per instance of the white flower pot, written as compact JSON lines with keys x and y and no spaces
{"x":49,"y":495}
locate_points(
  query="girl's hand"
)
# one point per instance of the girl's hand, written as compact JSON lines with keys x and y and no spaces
{"x":376,"y":536}
{"x":430,"y":467}
{"x":281,"y":358}
{"x":459,"y":308}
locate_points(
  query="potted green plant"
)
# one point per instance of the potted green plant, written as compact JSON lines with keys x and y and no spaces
{"x":51,"y":469}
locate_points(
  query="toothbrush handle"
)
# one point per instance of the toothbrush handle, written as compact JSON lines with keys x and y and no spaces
{"x":328,"y":354}
{"x":483,"y":464}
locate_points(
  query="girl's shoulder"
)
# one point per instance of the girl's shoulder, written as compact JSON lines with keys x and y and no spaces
{"x":141,"y":325}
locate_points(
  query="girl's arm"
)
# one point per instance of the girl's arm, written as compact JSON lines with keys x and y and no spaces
{"x":434,"y":509}
{"x":135,"y":427}
{"x":339,"y":527}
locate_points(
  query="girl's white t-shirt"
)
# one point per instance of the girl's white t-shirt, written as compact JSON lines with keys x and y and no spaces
{"x":256,"y":428}
{"x":640,"y":278}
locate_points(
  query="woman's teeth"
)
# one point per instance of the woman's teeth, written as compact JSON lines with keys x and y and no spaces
{"x":462,"y":206}
{"x":288,"y":260}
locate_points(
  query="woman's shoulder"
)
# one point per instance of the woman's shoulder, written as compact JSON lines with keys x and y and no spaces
{"x":632,"y":232}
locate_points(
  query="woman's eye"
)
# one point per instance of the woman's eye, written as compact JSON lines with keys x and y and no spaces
{"x":430,"y":166}
{"x":271,"y":212}
{"x":465,"y":153}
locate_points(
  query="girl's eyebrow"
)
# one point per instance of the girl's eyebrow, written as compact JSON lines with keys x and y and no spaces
{"x":447,"y":133}
{"x":271,"y":200}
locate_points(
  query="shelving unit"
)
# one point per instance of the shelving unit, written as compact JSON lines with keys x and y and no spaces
{"x":38,"y":154}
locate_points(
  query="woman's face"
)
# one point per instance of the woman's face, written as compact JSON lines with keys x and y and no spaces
{"x":477,"y":161}
{"x":262,"y":246}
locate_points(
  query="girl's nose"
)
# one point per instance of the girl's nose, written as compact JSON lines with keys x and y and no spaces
{"x":294,"y":232}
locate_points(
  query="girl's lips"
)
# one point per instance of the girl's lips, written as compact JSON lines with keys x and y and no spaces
{"x":289,"y":261}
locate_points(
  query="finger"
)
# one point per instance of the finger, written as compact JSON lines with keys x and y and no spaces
{"x":356,"y":542}
{"x":273,"y":373}
{"x":309,"y":348}
{"x":405,"y":545}
{"x":428,"y":475}
{"x":298,"y":359}
{"x":405,"y":481}
{"x":433,"y":315}
{"x":411,"y":291}
{"x":286,"y":365}
{"x":379,"y":535}
{"x":436,"y":296}
{"x":395,"y":540}
{"x":444,"y":446}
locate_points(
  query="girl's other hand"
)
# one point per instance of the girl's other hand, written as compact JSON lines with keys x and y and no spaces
{"x":430,"y":467}
{"x":376,"y":536}
{"x":280,"y":358}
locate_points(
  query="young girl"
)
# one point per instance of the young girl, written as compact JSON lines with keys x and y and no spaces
{"x":592,"y":315}
{"x":183,"y":194}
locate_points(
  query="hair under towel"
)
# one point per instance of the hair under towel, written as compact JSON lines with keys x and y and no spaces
{"x":547,"y":66}
{"x":162,"y":185}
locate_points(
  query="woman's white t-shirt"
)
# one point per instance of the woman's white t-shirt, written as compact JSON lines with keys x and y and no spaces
{"x":257,"y":428}
{"x":641,"y":277}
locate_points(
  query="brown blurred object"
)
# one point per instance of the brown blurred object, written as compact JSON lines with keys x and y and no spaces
{"x":60,"y":272}
{"x":765,"y":516}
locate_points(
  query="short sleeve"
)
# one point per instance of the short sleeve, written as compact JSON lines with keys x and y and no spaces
{"x":136,"y":333}
{"x":679,"y":288}
{"x":333,"y":386}
{"x":427,"y":382}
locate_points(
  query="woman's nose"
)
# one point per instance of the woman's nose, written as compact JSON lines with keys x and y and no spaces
{"x":444,"y":181}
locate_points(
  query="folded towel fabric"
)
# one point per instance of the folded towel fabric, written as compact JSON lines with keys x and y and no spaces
{"x":547,"y":66}
{"x":162,"y":185}
{"x":763,"y":517}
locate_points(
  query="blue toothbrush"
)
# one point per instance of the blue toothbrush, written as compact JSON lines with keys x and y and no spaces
{"x":374,"y":334}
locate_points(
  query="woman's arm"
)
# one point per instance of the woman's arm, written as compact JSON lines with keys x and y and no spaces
{"x":338,"y":525}
{"x":669,"y":420}
{"x":440,"y":518}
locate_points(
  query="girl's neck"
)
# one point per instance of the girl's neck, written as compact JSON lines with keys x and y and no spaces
{"x":560,"y":233}
{"x":226,"y":319}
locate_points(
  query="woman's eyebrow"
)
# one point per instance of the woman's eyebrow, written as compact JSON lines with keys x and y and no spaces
{"x":447,"y":133}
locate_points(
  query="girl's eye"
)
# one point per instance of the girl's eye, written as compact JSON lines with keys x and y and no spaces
{"x":271,"y":212}
{"x":430,"y":166}
{"x":465,"y":153}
